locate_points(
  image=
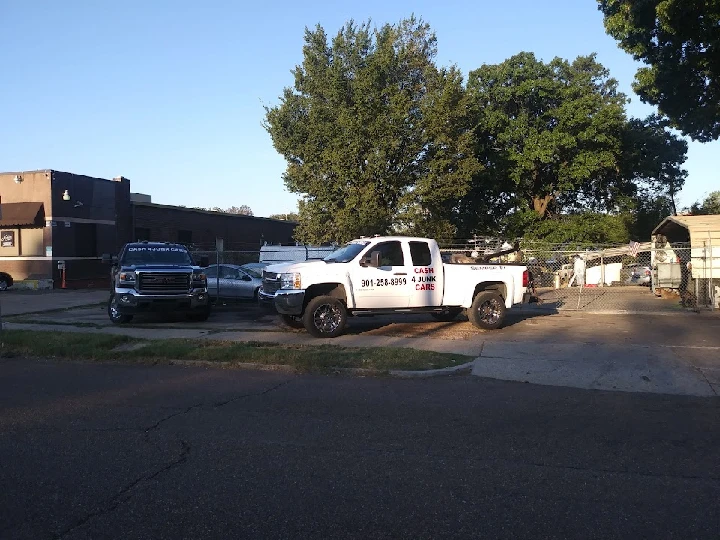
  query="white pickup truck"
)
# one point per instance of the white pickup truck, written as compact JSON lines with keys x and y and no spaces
{"x":390,"y":274}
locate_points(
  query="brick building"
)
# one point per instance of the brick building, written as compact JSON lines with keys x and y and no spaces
{"x":47,"y":216}
{"x":200,"y":228}
{"x":50,"y":216}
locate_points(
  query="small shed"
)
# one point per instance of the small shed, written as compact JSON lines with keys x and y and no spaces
{"x":694,"y":240}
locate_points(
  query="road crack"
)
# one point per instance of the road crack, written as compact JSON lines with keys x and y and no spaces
{"x":214,"y":405}
{"x":126,"y":492}
{"x":707,"y":381}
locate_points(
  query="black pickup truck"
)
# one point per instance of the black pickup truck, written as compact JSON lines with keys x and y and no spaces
{"x":156,"y":276}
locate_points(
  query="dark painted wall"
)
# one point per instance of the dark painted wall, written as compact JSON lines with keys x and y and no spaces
{"x":240,"y":233}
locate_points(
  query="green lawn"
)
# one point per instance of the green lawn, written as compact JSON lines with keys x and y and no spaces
{"x":322,"y":358}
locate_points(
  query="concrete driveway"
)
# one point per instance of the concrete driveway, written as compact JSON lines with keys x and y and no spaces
{"x":17,"y":302}
{"x":671,"y":353}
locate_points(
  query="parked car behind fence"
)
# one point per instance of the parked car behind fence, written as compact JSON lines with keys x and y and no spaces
{"x":234,"y":282}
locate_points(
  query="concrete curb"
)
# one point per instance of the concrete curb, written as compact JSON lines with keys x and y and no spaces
{"x":349,"y":371}
{"x":433,"y":372}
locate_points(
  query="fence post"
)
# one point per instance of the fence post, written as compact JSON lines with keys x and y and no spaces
{"x":712,"y":280}
{"x":219,"y":247}
{"x":602,"y":270}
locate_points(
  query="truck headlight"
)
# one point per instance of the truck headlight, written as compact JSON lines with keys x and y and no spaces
{"x":127,"y":277}
{"x":199,"y":279}
{"x":291,"y":280}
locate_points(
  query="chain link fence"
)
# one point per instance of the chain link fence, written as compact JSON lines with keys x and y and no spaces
{"x":266,"y":254}
{"x":635,"y":277}
{"x":600,"y":278}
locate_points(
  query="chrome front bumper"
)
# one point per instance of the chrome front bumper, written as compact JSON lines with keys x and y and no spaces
{"x":130,"y":301}
{"x":285,"y":302}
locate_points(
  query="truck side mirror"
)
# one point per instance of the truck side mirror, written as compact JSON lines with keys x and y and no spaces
{"x":372,"y":260}
{"x":204,"y":261}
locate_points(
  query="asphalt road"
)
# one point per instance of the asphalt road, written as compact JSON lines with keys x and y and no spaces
{"x":111,"y":451}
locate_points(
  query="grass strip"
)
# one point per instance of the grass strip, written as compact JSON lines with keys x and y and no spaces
{"x":303,"y":358}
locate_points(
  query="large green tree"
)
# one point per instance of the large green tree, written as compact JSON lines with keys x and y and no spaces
{"x":546,"y":132}
{"x":679,"y":43}
{"x":651,"y":163}
{"x":375,"y":135}
{"x":647,"y":213}
{"x":710,"y":205}
{"x":582,"y":228}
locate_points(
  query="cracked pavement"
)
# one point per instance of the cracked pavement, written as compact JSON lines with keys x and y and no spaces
{"x":111,"y":451}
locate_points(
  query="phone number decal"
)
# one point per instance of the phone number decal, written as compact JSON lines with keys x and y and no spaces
{"x":383,"y":282}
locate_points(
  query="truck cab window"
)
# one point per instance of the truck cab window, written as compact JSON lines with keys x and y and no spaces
{"x":420,"y":253}
{"x":391,"y":254}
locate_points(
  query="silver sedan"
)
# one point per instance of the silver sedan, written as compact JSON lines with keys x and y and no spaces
{"x":234,"y":281}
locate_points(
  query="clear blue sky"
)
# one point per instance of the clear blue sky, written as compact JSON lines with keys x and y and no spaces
{"x":170,"y":93}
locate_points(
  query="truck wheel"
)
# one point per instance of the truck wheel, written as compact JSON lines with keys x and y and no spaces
{"x":325,"y":317}
{"x":114,"y":313}
{"x":487,"y":311}
{"x":447,"y":316}
{"x":292,"y":321}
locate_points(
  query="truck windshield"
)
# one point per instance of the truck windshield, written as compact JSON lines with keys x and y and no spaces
{"x":346,"y":253}
{"x":135,"y":255}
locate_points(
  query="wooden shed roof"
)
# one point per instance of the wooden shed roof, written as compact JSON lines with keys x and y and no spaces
{"x":696,"y":225}
{"x":699,"y":228}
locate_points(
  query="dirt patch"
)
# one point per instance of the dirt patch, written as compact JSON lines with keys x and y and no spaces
{"x":663,"y":328}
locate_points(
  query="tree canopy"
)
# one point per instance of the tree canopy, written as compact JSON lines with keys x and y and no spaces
{"x":710,"y":205}
{"x":679,"y":41}
{"x":290,"y":216}
{"x":554,"y":130}
{"x":556,"y":146}
{"x":374,"y":134}
{"x":243,"y":210}
{"x":651,"y":161}
{"x":379,"y":139}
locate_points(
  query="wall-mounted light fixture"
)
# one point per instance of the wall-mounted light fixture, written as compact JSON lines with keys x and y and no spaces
{"x":18,"y":179}
{"x":66,"y":195}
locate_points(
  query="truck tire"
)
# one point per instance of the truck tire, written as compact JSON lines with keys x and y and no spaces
{"x":292,"y":321}
{"x":487,"y":311}
{"x":115,"y":316}
{"x":447,"y":316}
{"x":325,"y":317}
